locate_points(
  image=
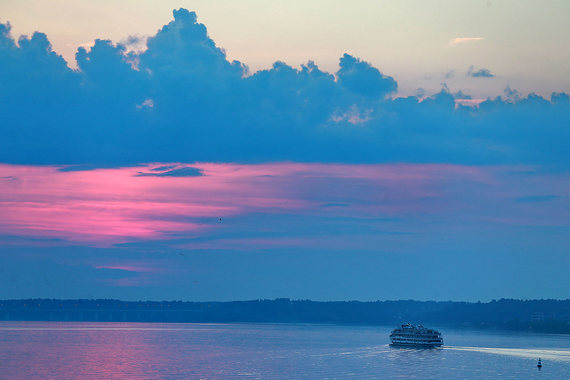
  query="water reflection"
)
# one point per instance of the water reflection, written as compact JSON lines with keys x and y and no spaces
{"x":137,"y":351}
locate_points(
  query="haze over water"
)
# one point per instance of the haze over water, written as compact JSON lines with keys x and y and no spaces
{"x":86,"y":350}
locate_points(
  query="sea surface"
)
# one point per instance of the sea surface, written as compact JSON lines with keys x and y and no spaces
{"x":83,"y":350}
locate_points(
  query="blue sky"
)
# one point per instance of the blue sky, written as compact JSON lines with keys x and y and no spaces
{"x":161,"y":167}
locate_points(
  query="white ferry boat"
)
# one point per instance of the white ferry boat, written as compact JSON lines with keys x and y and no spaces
{"x":415,"y":336}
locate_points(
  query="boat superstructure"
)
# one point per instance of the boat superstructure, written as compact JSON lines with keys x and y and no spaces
{"x":415,"y":336}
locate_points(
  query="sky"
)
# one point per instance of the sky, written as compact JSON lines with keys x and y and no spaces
{"x":216,"y":151}
{"x":525,"y":44}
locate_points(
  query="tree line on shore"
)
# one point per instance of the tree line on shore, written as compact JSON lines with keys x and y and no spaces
{"x":550,"y":316}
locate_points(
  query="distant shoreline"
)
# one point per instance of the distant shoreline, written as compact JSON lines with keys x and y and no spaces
{"x":543,"y":316}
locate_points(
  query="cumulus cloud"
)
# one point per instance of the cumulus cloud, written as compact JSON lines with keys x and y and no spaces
{"x":481,"y":73}
{"x":182,"y":100}
{"x":361,"y":78}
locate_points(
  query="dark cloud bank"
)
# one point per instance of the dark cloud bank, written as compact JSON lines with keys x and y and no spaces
{"x":181,"y":100}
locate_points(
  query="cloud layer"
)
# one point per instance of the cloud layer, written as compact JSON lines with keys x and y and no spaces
{"x":182,"y":100}
{"x":177,"y":201}
{"x":300,"y":230}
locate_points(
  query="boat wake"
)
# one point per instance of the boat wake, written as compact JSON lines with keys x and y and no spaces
{"x":557,"y":355}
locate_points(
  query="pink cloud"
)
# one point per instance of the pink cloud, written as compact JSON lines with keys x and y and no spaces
{"x":108,"y":206}
{"x":463,"y":40}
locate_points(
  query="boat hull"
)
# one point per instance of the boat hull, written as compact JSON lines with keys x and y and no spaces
{"x":417,"y":345}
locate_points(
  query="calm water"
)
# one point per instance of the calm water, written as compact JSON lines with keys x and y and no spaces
{"x":174,"y":351}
